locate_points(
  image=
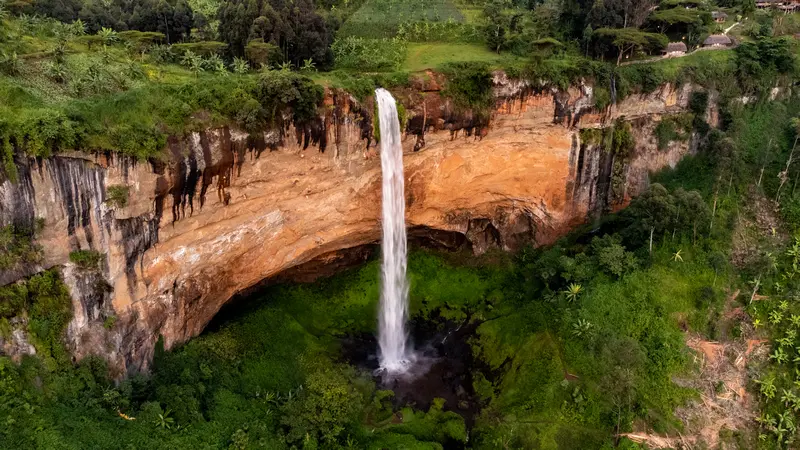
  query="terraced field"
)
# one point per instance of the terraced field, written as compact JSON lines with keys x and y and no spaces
{"x":382,"y":18}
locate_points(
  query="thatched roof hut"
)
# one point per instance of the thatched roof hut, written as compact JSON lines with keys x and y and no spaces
{"x":676,"y":47}
{"x":717,"y":40}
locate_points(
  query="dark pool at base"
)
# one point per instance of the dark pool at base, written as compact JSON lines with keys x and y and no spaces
{"x":443,"y":367}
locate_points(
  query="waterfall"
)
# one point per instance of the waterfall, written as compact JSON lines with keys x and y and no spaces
{"x":392,"y":334}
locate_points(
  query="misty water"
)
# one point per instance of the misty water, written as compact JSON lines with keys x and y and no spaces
{"x":395,"y":354}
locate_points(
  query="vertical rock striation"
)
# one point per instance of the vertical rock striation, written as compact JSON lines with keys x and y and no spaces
{"x":228,"y":210}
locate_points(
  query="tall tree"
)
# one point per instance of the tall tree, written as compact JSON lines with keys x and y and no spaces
{"x":296,"y":28}
{"x":653,"y":211}
{"x":620,"y":13}
{"x":627,"y":40}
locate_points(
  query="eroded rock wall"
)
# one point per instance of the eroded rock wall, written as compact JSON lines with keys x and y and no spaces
{"x":229,"y":210}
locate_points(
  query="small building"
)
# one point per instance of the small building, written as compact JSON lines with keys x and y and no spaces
{"x":718,"y":41}
{"x":719,"y":16}
{"x":674,"y":49}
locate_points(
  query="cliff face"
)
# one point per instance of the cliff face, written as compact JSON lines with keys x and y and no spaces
{"x":229,"y":210}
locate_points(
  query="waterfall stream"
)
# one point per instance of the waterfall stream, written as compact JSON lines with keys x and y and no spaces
{"x":395,"y":357}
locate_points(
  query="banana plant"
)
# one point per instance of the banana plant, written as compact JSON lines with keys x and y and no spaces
{"x":779,"y":355}
{"x":767,"y":387}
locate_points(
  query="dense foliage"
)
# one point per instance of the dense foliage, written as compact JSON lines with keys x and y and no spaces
{"x":575,"y":344}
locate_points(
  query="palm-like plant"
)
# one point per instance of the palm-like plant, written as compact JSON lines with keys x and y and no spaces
{"x":767,"y":387}
{"x":108,"y":36}
{"x":57,"y":71}
{"x":161,"y":53}
{"x":10,"y":63}
{"x":240,"y":66}
{"x":582,"y":328}
{"x":308,"y":65}
{"x":677,"y":256}
{"x":164,"y":421}
{"x":215,"y":64}
{"x":573,"y":291}
{"x":285,"y":67}
{"x":78,"y":28}
{"x":193,"y":62}
{"x":779,"y":355}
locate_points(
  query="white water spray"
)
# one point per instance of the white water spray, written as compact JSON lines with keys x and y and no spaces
{"x":392,"y":334}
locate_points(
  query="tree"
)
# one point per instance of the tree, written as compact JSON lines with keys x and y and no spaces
{"x":620,"y":13}
{"x":763,"y":60}
{"x":653,"y":211}
{"x":498,"y":22}
{"x":260,"y":53}
{"x":61,"y":10}
{"x":172,"y":18}
{"x":691,"y":211}
{"x":322,"y":410}
{"x":748,"y":7}
{"x":689,"y":18}
{"x":296,"y":29}
{"x":626,"y":40}
{"x":612,"y":257}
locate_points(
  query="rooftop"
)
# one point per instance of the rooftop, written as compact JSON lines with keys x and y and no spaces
{"x":718,"y":39}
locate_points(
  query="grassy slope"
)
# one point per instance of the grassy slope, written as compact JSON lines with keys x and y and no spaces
{"x":436,"y":54}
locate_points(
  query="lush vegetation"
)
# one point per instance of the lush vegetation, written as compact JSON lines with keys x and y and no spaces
{"x":86,"y":259}
{"x":270,"y":377}
{"x":117,"y":195}
{"x":17,"y":247}
{"x":41,"y":306}
{"x":575,"y":344}
{"x":73,"y":80}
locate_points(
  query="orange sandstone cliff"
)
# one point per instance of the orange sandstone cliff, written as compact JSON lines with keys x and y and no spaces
{"x":229,"y":210}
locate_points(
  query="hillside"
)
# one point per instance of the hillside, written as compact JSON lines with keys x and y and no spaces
{"x":603,"y":235}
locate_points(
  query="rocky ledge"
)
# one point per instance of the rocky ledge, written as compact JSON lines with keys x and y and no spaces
{"x":230,"y":210}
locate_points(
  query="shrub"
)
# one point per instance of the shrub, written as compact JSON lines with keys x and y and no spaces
{"x":109,"y":322}
{"x":204,"y":48}
{"x":261,"y":54}
{"x":366,"y":54}
{"x":17,"y":247}
{"x":117,"y":195}
{"x":86,"y":259}
{"x":672,"y":129}
{"x":50,"y":309}
{"x":328,"y":403}
{"x":469,"y":85}
{"x":623,"y":142}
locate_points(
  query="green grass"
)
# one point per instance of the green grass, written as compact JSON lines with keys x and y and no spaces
{"x":672,"y":66}
{"x":435,"y":55}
